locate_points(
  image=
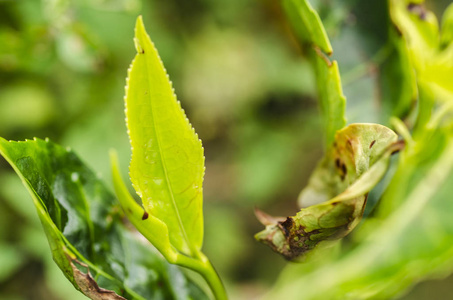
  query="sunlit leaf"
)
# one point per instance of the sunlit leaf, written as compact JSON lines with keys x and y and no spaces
{"x":167,"y":165}
{"x":83,"y":225}
{"x":337,"y":191}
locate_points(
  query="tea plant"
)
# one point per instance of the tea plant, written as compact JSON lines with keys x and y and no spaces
{"x":408,"y":236}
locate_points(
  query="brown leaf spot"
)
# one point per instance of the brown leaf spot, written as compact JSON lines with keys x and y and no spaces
{"x":349,"y":143}
{"x":145,"y":215}
{"x":372,"y":143}
{"x":417,"y":9}
{"x":338,"y":163}
{"x":343,"y":169}
{"x":286,"y":226}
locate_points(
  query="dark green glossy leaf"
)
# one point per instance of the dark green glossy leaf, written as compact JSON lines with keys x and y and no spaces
{"x":337,"y":191}
{"x":84,"y":227}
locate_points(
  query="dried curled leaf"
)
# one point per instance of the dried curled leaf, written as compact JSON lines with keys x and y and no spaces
{"x":88,"y":286}
{"x":337,"y":191}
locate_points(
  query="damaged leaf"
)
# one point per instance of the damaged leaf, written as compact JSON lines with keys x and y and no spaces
{"x":337,"y":191}
{"x":83,"y":224}
{"x":88,"y":286}
{"x":410,"y":238}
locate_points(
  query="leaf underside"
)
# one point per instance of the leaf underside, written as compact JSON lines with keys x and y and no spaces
{"x":167,"y":165}
{"x":337,"y":191}
{"x":83,"y":225}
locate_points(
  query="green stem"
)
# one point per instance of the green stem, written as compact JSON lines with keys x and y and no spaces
{"x":204,"y":267}
{"x":200,"y":263}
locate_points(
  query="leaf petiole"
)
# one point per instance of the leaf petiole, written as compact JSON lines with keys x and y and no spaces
{"x":204,"y":267}
{"x":147,"y":224}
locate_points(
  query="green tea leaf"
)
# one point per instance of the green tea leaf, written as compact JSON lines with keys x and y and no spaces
{"x":307,"y":24}
{"x":313,"y":37}
{"x":167,"y":165}
{"x":337,"y":190}
{"x":151,"y":227}
{"x":430,"y":53}
{"x":83,"y":225}
{"x":446,"y":35}
{"x":410,"y":239}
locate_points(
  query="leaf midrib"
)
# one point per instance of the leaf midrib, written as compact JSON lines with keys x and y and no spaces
{"x":164,"y":167}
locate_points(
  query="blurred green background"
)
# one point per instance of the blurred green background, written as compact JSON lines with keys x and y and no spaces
{"x":242,"y":80}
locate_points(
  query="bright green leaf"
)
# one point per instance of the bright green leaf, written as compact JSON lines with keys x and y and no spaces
{"x":431,"y":59}
{"x":426,"y":103}
{"x":167,"y":165}
{"x":330,"y":92}
{"x":148,"y":225}
{"x":337,"y":191}
{"x":419,"y":25}
{"x":83,"y":226}
{"x":307,"y":24}
{"x":446,"y":35}
{"x":313,"y":37}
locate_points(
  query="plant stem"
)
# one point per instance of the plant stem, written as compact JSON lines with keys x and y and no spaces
{"x":203,"y":266}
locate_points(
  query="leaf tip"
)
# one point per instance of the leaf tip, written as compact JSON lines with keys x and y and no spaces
{"x":267,"y":219}
{"x":140,"y":32}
